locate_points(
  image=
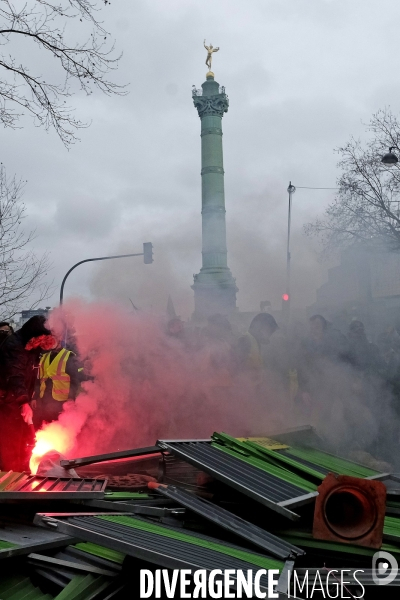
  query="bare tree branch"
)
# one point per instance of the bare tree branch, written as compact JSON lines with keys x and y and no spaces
{"x":45,"y":23}
{"x":367,"y":206}
{"x":21,"y":271}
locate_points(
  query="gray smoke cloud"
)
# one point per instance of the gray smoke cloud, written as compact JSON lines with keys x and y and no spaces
{"x":300,"y":78}
{"x":257,"y":260}
{"x":145,"y":385}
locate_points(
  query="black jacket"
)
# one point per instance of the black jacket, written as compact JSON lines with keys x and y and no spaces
{"x":20,"y":365}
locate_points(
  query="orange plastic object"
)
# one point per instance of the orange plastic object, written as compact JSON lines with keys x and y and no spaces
{"x":350,"y":510}
{"x":153,"y":485}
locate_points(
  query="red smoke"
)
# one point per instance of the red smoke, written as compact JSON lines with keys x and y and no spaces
{"x":146,"y":385}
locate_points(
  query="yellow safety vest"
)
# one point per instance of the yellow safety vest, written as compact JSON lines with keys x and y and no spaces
{"x":254,"y":359}
{"x":55,"y":370}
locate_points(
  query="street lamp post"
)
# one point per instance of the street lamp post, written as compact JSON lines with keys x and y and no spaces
{"x":286,"y":297}
{"x":147,"y":257}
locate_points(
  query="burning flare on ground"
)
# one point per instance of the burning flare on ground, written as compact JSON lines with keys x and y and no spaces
{"x":51,"y":437}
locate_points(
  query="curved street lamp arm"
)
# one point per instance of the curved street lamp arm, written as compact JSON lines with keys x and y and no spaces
{"x":90,"y":260}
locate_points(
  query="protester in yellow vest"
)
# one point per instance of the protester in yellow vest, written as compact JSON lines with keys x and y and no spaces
{"x":265,"y":356}
{"x":250,"y":355}
{"x":60,"y":375}
{"x":261,"y":329}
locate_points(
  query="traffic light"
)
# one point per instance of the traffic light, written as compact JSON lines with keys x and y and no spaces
{"x":285,"y":297}
{"x":147,"y":253}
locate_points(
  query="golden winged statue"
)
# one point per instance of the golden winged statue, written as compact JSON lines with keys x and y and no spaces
{"x":210,"y":50}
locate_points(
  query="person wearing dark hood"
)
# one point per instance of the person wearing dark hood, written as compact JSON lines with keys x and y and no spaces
{"x":324,"y":344}
{"x":389,"y":345}
{"x":371,"y":389}
{"x":20,"y":355}
{"x":250,"y":346}
{"x":320,"y":354}
{"x":6,"y":329}
{"x":364,"y":356}
{"x":261,"y":329}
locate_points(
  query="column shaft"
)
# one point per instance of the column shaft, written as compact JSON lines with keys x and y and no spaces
{"x":214,"y":287}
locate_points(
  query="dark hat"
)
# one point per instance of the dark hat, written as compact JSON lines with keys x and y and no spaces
{"x":356,"y":326}
{"x":34,"y":327}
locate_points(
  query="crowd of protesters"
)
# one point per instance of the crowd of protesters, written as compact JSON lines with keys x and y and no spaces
{"x":344,"y":384}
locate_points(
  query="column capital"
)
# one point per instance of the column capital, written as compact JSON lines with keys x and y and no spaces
{"x":211,"y":105}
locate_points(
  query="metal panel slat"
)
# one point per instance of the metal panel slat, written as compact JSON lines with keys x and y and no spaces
{"x":52,"y":485}
{"x":99,"y":485}
{"x":29,"y":484}
{"x":44,"y":483}
{"x":252,"y":533}
{"x":11,"y":479}
{"x":158,"y":549}
{"x":220,"y":464}
{"x":60,"y":486}
{"x":252,"y":474}
{"x":68,"y":485}
{"x":52,"y":561}
{"x":249,"y":473}
{"x":182,"y":551}
{"x":32,"y":487}
{"x":306,"y":463}
{"x":5,"y":476}
{"x":248,"y":479}
{"x":83,"y":484}
{"x":18,"y":483}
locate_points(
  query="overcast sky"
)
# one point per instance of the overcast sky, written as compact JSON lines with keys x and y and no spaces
{"x":301,"y":75}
